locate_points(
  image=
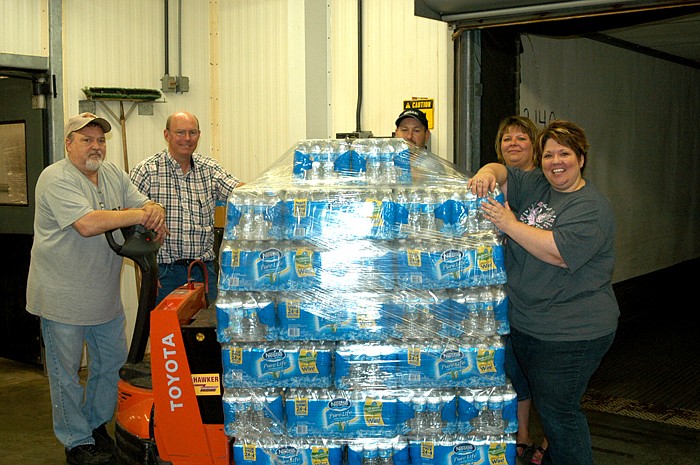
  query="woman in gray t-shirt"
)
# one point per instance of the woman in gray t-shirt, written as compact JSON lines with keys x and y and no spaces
{"x":559,"y":259}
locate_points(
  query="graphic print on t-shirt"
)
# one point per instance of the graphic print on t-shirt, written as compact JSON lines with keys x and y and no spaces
{"x":539,"y":215}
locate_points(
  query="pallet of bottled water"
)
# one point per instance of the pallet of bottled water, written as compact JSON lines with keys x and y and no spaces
{"x":361,"y":311}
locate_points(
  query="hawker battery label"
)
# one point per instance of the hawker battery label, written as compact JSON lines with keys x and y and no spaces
{"x":207,"y":384}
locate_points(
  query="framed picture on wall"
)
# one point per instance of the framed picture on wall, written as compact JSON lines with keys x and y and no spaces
{"x":13,"y":164}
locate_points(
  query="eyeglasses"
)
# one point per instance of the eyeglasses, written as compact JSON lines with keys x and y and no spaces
{"x":183,"y":133}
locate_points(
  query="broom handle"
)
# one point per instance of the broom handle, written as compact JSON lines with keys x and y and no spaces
{"x":122,"y":121}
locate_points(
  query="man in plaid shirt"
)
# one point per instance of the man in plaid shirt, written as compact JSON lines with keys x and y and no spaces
{"x":188,"y":185}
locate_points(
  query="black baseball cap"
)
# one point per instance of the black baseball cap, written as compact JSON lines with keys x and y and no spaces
{"x":412,"y":113}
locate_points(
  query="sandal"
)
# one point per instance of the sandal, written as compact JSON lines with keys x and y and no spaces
{"x":537,"y":456}
{"x":521,"y":448}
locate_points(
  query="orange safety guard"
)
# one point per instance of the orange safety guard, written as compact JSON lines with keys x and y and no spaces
{"x":180,"y":435}
{"x":134,"y":409}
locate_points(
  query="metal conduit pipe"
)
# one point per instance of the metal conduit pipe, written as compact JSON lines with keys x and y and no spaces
{"x":166,"y":29}
{"x":358,"y":112}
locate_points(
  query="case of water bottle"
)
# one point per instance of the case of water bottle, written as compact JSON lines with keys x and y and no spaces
{"x":361,"y":311}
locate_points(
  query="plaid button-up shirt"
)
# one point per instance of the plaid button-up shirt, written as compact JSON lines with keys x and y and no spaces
{"x":189,"y":201}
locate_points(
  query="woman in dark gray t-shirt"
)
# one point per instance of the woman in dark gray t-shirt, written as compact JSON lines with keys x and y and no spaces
{"x":559,"y":260}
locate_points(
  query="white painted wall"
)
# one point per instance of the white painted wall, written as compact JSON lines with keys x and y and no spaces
{"x":24,"y":28}
{"x":641,"y":116}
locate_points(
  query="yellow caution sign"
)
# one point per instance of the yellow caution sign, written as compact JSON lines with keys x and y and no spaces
{"x":426,"y":105}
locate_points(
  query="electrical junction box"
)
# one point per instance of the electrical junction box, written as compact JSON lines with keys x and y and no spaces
{"x":175,"y":83}
{"x":183,"y":84}
{"x":168,"y":83}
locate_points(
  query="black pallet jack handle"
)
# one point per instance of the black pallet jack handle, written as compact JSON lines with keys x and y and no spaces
{"x":141,"y":247}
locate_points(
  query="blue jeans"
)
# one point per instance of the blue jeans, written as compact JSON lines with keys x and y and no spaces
{"x":78,"y":409}
{"x":171,"y":276}
{"x":514,"y":372}
{"x":559,"y":373}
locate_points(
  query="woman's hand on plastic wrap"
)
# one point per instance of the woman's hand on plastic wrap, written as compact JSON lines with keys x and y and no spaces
{"x":500,"y":215}
{"x":482,"y":183}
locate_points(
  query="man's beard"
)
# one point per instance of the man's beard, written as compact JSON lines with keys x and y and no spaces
{"x":93,"y":164}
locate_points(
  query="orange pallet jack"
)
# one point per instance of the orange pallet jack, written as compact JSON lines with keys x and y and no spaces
{"x":169,"y":409}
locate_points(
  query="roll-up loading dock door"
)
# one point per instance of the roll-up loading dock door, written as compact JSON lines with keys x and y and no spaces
{"x":486,"y":35}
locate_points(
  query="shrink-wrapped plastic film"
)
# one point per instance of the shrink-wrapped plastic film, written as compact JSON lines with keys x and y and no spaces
{"x":361,"y":304}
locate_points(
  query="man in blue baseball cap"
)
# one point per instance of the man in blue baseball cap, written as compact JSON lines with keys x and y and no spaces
{"x":412,"y":125}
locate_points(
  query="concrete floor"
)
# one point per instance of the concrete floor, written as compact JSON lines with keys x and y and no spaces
{"x":27,"y":435}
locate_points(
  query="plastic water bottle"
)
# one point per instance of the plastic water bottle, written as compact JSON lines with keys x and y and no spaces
{"x":385,"y":451}
{"x":487,"y":318}
{"x":230,"y":306}
{"x":370,"y":454}
{"x":328,"y":163}
{"x":258,"y":420}
{"x":434,"y":413}
{"x":414,"y":212}
{"x":243,"y":414}
{"x":296,"y":214}
{"x":273,"y":214}
{"x":470,"y":323}
{"x":386,"y":215}
{"x":387,"y":168}
{"x":409,"y":326}
{"x":233,"y":217}
{"x":471,"y":207}
{"x":442,"y":214}
{"x":427,"y":218}
{"x":484,"y":223}
{"x":260,"y":227}
{"x":301,"y":161}
{"x":457,"y":309}
{"x":401,"y":228}
{"x":449,"y":410}
{"x":481,"y":402}
{"x":247,"y":224}
{"x":458,"y":214}
{"x":373,"y":158}
{"x":315,"y":173}
{"x":467,"y":411}
{"x":495,"y":406}
{"x":251,"y":328}
{"x":510,"y":409}
{"x":420,"y":417}
{"x":490,"y":261}
{"x":500,"y":309}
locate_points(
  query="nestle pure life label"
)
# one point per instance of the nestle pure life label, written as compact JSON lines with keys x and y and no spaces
{"x":281,"y":365}
{"x":255,"y":266}
{"x":466,"y":450}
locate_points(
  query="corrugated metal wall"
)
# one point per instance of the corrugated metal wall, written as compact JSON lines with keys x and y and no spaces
{"x":246,"y":63}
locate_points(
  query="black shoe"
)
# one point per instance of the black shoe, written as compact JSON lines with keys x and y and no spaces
{"x":87,"y":454}
{"x":103,"y":441}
